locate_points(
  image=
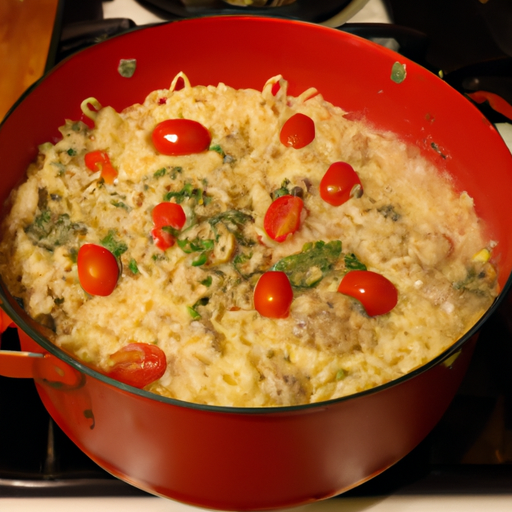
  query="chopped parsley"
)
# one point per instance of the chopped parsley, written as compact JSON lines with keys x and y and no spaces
{"x":132,"y":265}
{"x":207,"y":282}
{"x":234,"y":221}
{"x":188,"y":191}
{"x":116,"y":247}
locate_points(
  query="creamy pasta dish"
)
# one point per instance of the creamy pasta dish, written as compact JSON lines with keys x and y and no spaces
{"x":243,"y":247}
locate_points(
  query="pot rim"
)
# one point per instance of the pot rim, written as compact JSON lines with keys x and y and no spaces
{"x":16,"y":313}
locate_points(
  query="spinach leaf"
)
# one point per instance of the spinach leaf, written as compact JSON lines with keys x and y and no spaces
{"x":49,"y":231}
{"x":308,"y":267}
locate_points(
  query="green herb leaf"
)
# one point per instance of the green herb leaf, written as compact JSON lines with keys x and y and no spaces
{"x":188,"y":191}
{"x":127,"y":67}
{"x":116,"y":247}
{"x":134,"y":269}
{"x":201,"y":259}
{"x":161,"y":172}
{"x":207,"y":282}
{"x":307,"y":268}
{"x":352,"y":263}
{"x":234,"y":221}
{"x":283,"y":191}
{"x":193,"y":313}
{"x":49,"y":231}
{"x":217,"y":149}
{"x":203,"y":301}
{"x":120,"y":204}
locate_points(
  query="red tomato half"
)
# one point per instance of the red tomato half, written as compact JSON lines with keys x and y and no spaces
{"x":166,"y":214}
{"x":339,"y":184}
{"x":273,"y":295}
{"x":283,"y":217}
{"x":98,"y":270}
{"x":99,"y":161}
{"x":376,"y":293}
{"x":137,"y":364}
{"x":298,"y":131}
{"x":180,"y":137}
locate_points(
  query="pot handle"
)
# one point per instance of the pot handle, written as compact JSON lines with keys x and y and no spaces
{"x":43,"y":367}
{"x":15,"y":363}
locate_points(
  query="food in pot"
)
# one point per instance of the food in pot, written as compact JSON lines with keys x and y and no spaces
{"x":244,"y":248}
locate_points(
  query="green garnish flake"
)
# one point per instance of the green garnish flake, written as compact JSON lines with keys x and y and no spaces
{"x":352,"y":263}
{"x":282,"y":191}
{"x":307,"y":268}
{"x":398,"y":72}
{"x":127,"y":67}
{"x":340,"y":374}
{"x":207,"y":282}
{"x":201,"y":259}
{"x":173,"y":172}
{"x":71,"y":152}
{"x":196,"y":245}
{"x":204,"y":246}
{"x":193,"y":313}
{"x":234,"y":221}
{"x":188,"y":191}
{"x":116,"y":247}
{"x":120,"y":204}
{"x":49,"y":231}
{"x":58,"y":301}
{"x":217,"y":149}
{"x":132,"y":265}
{"x":203,"y":301}
{"x":161,"y":172}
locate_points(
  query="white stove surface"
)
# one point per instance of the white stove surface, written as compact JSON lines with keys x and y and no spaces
{"x":463,"y":503}
{"x":372,"y":12}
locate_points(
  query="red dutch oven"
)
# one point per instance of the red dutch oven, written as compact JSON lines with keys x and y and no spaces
{"x":256,"y":459}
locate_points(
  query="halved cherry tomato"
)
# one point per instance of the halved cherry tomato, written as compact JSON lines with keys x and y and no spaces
{"x":273,"y":295}
{"x":162,"y":238}
{"x":99,"y":161}
{"x":169,"y":214}
{"x":339,"y":184}
{"x":98,"y":270}
{"x":298,"y":131}
{"x":283,"y":217}
{"x":180,"y":137}
{"x":137,"y":364}
{"x":376,"y":293}
{"x":166,"y":214}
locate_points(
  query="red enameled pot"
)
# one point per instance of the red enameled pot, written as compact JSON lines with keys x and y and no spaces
{"x":257,"y":459}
